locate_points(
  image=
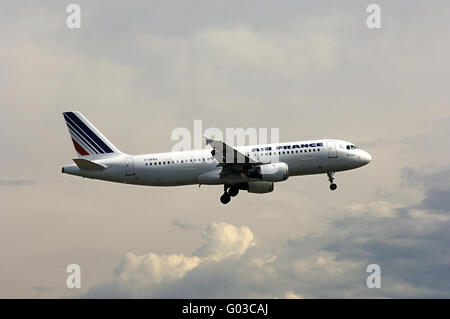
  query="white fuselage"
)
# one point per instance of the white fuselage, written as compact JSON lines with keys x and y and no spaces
{"x":200,"y":167}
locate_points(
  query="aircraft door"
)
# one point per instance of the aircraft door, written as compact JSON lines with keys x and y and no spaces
{"x":332,"y":153}
{"x":129,"y":166}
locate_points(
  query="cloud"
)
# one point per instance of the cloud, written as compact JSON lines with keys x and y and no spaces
{"x":437,"y":200}
{"x":291,"y":295}
{"x":224,"y":240}
{"x":18,"y":182}
{"x":435,"y":184}
{"x":183,"y":225}
{"x":427,"y":176}
{"x":146,"y":274}
{"x":409,"y":243}
{"x":153,"y":268}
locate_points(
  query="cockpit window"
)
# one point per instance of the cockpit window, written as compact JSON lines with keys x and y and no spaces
{"x":348,"y":147}
{"x":353,"y":147}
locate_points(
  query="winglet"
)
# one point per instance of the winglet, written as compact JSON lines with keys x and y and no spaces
{"x":208,"y":140}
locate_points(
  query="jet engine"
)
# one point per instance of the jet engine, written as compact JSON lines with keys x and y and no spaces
{"x":273,"y":172}
{"x":259,"y":187}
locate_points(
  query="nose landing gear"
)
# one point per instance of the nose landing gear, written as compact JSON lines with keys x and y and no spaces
{"x":333,"y":186}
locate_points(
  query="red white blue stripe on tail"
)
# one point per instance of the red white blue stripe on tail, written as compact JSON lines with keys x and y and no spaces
{"x":86,"y":139}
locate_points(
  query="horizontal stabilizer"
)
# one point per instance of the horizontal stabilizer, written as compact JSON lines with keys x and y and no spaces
{"x":86,"y":164}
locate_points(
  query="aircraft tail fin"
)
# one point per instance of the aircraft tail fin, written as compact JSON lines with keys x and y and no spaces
{"x":86,"y":138}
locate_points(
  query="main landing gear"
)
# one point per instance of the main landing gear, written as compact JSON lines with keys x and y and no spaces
{"x":229,"y":191}
{"x":333,"y":186}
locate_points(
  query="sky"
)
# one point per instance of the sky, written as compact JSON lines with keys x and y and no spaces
{"x":139,"y":70}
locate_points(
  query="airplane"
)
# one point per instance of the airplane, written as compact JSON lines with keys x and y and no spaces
{"x":254,"y":168}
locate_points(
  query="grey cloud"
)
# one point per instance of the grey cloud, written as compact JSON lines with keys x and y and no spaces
{"x":410,"y":246}
{"x":435,"y":184}
{"x":411,"y":249}
{"x":436,"y":199}
{"x":429,"y":176}
{"x":17,"y":182}
{"x":183,"y":225}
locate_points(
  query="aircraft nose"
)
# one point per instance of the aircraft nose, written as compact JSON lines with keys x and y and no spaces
{"x":366,"y":157}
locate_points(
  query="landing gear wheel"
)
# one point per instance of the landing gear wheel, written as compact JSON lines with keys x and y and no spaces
{"x":233,"y":191}
{"x":330,"y":175}
{"x":225,"y":198}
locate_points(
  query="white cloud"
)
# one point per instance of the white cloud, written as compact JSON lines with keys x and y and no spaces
{"x":153,"y":268}
{"x":292,"y":295}
{"x":146,"y":274}
{"x":224,"y":240}
{"x":408,"y":247}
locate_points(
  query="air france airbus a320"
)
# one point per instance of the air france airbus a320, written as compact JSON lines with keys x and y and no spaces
{"x":252,"y":168}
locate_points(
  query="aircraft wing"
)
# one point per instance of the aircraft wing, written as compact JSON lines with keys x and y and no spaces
{"x":230,"y":158}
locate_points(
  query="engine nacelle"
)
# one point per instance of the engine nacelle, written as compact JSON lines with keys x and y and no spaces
{"x":260,"y":187}
{"x":273,"y":172}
